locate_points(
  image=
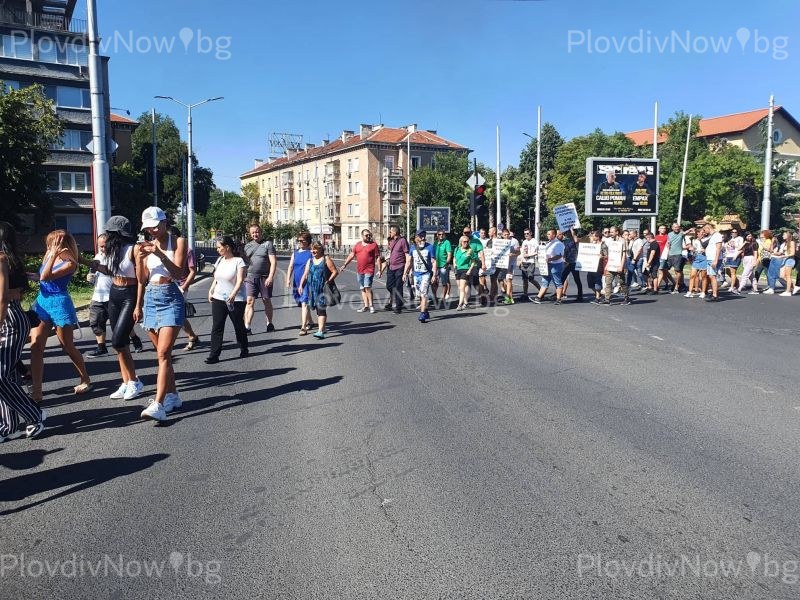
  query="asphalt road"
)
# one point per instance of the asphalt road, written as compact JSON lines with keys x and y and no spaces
{"x":580,"y":451}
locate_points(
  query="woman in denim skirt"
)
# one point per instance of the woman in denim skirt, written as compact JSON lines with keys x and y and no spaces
{"x":160,"y":305}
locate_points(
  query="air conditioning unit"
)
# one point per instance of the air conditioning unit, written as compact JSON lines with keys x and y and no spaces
{"x":385,"y":172}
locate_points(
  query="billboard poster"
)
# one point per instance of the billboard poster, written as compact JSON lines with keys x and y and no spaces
{"x":622,"y":186}
{"x":432,"y":218}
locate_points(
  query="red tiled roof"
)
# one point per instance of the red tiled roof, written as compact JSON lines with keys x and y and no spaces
{"x":715,"y":126}
{"x":384,"y":135}
{"x":120,"y":119}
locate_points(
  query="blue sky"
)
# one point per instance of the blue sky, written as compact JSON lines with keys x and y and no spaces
{"x":460,"y":66}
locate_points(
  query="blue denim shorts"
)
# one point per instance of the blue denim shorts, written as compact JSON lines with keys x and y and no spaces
{"x":365,"y":280}
{"x":56,"y":308}
{"x":164,"y":306}
{"x":554,"y":271}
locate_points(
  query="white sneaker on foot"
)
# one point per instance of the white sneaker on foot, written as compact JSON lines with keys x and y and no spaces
{"x":171,"y":402}
{"x":754,"y":292}
{"x":134,"y":390}
{"x":769,"y":291}
{"x":372,"y":310}
{"x":786,"y":293}
{"x":31,"y":431}
{"x":796,"y":290}
{"x":363,"y":309}
{"x":155,"y":411}
{"x":120,"y":393}
{"x":688,"y":295}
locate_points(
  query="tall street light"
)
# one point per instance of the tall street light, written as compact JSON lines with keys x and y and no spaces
{"x":190,"y":166}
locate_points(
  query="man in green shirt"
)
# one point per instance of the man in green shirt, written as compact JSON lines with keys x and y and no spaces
{"x":444,"y":260}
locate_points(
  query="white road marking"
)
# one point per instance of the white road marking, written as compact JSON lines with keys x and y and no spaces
{"x":655,"y":337}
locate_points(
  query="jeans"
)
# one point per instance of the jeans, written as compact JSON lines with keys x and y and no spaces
{"x":630,"y":272}
{"x":773,"y":272}
{"x":394,"y":285}
{"x":576,"y":276}
{"x":640,"y":278}
{"x":219,"y":312}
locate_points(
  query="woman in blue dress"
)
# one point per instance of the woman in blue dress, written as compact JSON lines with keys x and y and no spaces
{"x":54,"y":307}
{"x":297,"y":266}
{"x":319,"y":271}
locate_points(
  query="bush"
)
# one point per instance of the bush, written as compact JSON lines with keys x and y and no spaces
{"x":78,"y":283}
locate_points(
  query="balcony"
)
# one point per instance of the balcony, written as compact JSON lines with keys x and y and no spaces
{"x":40,"y":20}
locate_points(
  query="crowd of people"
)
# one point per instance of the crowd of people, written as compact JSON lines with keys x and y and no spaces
{"x":143,"y":276}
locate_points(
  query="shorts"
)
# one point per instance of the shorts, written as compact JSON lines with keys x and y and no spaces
{"x":554,"y":271}
{"x":461,"y":275}
{"x":500,"y":274}
{"x":56,"y":309}
{"x":732,"y":263}
{"x":255,"y":287}
{"x":711,"y":271}
{"x":789,"y":262}
{"x":98,"y":317}
{"x":676,"y":262}
{"x":365,"y":280}
{"x":164,"y":306}
{"x":663,"y":264}
{"x":444,"y":275}
{"x":595,"y":281}
{"x":422,"y":282}
{"x":485,"y":272}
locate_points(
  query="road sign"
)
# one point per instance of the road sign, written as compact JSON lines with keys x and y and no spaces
{"x":112,"y":146}
{"x":475,"y":180}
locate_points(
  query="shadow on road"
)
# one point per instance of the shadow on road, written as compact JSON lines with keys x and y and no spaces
{"x":22,"y":461}
{"x":79,"y":476}
{"x":249,"y":397}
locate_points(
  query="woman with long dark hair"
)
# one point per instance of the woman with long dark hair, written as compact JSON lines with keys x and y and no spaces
{"x":227,"y":298}
{"x":54,"y":308}
{"x":159,"y":303}
{"x":15,"y":404}
{"x":121,"y":256}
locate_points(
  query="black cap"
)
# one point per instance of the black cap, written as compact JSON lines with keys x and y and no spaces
{"x":120,"y":225}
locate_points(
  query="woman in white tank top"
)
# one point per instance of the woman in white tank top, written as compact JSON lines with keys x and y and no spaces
{"x":160,"y":303}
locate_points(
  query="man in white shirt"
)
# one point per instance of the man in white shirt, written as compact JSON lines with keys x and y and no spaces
{"x":527,"y":263}
{"x":637,"y":244}
{"x":713,"y":253}
{"x":554,"y":254}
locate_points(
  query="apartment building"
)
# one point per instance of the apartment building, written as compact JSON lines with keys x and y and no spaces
{"x":345,"y":185}
{"x":41,"y":43}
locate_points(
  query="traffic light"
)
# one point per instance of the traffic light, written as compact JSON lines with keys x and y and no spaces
{"x":478,"y":204}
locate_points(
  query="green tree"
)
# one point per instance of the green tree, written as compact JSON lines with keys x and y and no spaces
{"x":443,"y":184}
{"x":28,"y":127}
{"x":171,"y":163}
{"x":253,"y":196}
{"x":229,"y":212}
{"x":128,"y":193}
{"x":569,"y":173}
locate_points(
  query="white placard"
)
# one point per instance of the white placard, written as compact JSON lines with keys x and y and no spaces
{"x":501,"y":249}
{"x":567,"y":216}
{"x":541,"y":259}
{"x":588,"y":257}
{"x":615,"y":258}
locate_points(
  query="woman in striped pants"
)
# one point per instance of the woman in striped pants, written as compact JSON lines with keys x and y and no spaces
{"x":15,"y":404}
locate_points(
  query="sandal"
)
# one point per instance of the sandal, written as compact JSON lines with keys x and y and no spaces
{"x":193,"y":342}
{"x":82,"y":388}
{"x":303,"y":331}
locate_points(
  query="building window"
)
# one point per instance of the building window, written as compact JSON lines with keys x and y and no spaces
{"x":74,"y":224}
{"x":415,"y":162}
{"x":73,"y":139}
{"x":349,"y":210}
{"x":11,"y":85}
{"x":394,"y":185}
{"x":48,"y":50}
{"x":388,"y":162}
{"x":349,"y":188}
{"x":356,"y":210}
{"x":352,"y":165}
{"x":356,"y":187}
{"x":72,"y":97}
{"x":68,"y":181}
{"x":285,"y":214}
{"x":77,"y":55}
{"x":16,"y":46}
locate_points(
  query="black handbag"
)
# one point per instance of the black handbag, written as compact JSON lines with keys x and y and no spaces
{"x":33,"y":318}
{"x":332,"y":294}
{"x":190,"y":310}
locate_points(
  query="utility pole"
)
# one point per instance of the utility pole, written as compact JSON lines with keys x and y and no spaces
{"x":101,"y":177}
{"x":155,"y":164}
{"x":765,"y":201}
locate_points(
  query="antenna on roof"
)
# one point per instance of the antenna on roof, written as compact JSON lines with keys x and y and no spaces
{"x":281,"y":144}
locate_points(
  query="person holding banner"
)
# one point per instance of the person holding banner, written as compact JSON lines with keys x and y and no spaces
{"x":527,"y":263}
{"x":554,"y":257}
{"x":594,"y":277}
{"x":570,"y":258}
{"x":616,"y":256}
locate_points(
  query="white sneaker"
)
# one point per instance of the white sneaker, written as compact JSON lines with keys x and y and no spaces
{"x":701,"y":295}
{"x":725,"y":286}
{"x":363,"y":309}
{"x":754,"y":292}
{"x":674,"y":292}
{"x":171,"y":402}
{"x":688,"y":295}
{"x":786,"y":293}
{"x":134,"y":390}
{"x":635,"y":286}
{"x":155,"y":411}
{"x":796,"y":290}
{"x":616,"y":289}
{"x":120,"y":393}
{"x":769,"y":291}
{"x":372,"y":310}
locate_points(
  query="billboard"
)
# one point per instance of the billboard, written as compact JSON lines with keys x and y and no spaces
{"x":431,"y":218}
{"x":622,"y":186}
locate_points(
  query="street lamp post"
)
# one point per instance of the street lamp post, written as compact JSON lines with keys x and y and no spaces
{"x":190,"y":166}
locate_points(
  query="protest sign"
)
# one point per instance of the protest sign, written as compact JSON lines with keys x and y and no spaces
{"x":567,"y":216}
{"x":588,"y":257}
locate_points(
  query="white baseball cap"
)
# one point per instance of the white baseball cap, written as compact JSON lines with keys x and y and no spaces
{"x":152,"y":216}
